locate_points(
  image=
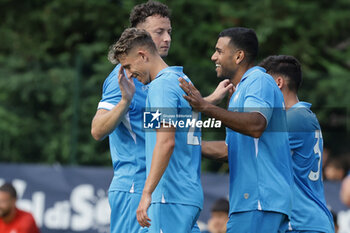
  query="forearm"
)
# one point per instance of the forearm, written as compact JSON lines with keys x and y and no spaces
{"x":104,"y":123}
{"x":215,"y":150}
{"x":211,"y":99}
{"x":248,"y":123}
{"x":160,"y":160}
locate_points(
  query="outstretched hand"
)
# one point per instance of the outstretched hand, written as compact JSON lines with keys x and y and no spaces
{"x":193,"y":96}
{"x":127,"y":85}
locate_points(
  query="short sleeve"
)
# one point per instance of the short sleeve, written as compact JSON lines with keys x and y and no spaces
{"x":111,"y":94}
{"x":260,"y":98}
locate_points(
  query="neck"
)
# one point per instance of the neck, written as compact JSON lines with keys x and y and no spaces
{"x":157,"y":65}
{"x":8,"y":218}
{"x":237,"y":77}
{"x":290,"y":98}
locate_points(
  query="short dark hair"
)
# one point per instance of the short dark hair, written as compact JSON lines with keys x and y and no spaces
{"x":130,"y":38}
{"x":221,"y":205}
{"x":286,"y":66}
{"x":140,"y":12}
{"x":244,"y":39}
{"x":8,"y":188}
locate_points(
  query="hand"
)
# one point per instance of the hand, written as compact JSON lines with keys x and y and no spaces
{"x":221,"y":91}
{"x":141,"y":212}
{"x":193,"y":96}
{"x":127,"y":86}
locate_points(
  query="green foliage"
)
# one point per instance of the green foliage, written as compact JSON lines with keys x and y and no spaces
{"x":53,"y":64}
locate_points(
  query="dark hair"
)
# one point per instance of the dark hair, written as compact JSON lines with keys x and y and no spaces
{"x":244,"y":39}
{"x":130,"y":38}
{"x":286,"y":66}
{"x":221,"y":205}
{"x":8,"y":188}
{"x":140,"y":12}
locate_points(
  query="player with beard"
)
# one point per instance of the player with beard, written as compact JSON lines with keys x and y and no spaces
{"x":12,"y":219}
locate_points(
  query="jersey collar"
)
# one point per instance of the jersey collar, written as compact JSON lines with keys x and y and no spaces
{"x":250,"y":71}
{"x":302,"y":104}
{"x":174,"y":69}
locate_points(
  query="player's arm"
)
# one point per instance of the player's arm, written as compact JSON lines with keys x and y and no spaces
{"x":161,"y":155}
{"x":105,"y":121}
{"x":249,"y":123}
{"x":225,"y":87}
{"x":215,"y":150}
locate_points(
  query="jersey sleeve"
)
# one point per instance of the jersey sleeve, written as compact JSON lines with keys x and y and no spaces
{"x":164,"y":96}
{"x":111,"y":93}
{"x":260,"y":98}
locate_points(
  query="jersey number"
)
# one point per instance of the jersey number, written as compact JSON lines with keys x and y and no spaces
{"x":191,"y":139}
{"x":316,"y":175}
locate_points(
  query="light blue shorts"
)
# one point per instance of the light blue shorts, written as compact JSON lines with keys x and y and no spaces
{"x":257,"y":222}
{"x":173,"y":218}
{"x":123,"y":211}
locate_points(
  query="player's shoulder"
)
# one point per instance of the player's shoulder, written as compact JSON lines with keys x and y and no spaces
{"x":168,"y":78}
{"x":24,"y":215}
{"x":258,"y":76}
{"x":111,"y":82}
{"x":301,"y":117}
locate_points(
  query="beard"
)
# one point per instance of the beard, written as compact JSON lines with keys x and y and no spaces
{"x":4,"y":212}
{"x":226,"y":74}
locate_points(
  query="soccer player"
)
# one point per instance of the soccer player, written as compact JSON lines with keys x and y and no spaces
{"x":173,"y":193}
{"x":119,"y":116}
{"x":309,"y":213}
{"x":13,"y":219}
{"x":256,"y":137}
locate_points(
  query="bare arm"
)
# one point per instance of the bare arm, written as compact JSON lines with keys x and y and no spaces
{"x":225,"y":87}
{"x":249,"y":123}
{"x":105,"y":121}
{"x":215,"y":150}
{"x":161,"y":155}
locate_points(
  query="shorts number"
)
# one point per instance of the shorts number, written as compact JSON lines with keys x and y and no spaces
{"x":316,"y":175}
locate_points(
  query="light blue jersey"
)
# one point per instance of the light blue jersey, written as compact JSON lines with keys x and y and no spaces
{"x":180,"y":183}
{"x":305,"y":137}
{"x":127,"y":141}
{"x":260,"y":168}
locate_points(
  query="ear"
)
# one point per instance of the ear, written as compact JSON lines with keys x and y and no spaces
{"x":239,"y":56}
{"x":143,"y":54}
{"x":280,"y":82}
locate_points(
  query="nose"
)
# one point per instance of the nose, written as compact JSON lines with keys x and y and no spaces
{"x":214,"y":57}
{"x":167,"y":37}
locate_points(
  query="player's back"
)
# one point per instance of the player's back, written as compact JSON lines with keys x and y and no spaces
{"x":180,"y":182}
{"x":127,"y":141}
{"x":305,"y":137}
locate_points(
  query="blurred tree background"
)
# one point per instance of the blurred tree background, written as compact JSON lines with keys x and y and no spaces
{"x":53,"y":61}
